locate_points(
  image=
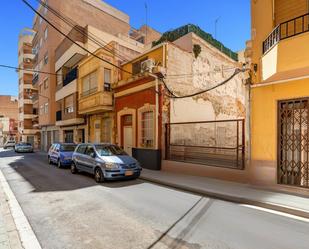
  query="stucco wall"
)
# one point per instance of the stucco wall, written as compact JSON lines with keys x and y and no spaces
{"x":195,"y":74}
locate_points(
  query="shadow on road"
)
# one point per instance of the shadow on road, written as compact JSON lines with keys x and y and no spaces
{"x":33,"y":168}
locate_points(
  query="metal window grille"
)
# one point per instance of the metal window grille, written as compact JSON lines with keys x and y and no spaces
{"x":293,"y":142}
{"x":147,"y":132}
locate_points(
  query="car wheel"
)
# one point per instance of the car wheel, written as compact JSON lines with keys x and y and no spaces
{"x":59,"y":164}
{"x":49,"y":160}
{"x":74,"y":169}
{"x":98,"y":175}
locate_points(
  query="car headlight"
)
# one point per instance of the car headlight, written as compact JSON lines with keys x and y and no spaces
{"x":112,"y":165}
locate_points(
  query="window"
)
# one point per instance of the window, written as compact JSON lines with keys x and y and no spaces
{"x":69,"y":104}
{"x":40,"y":88}
{"x":107,"y":79}
{"x":41,"y":110}
{"x":89,"y":84}
{"x":109,"y":150}
{"x":46,"y":58}
{"x":45,"y":83}
{"x":81,"y":149}
{"x":45,"y":34}
{"x":147,"y":129}
{"x":90,"y":151}
{"x":40,"y":20}
{"x":46,"y":108}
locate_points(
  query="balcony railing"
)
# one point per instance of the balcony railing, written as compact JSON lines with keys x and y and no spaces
{"x":35,"y":78}
{"x":70,"y":76}
{"x":285,"y":30}
{"x":58,"y":115}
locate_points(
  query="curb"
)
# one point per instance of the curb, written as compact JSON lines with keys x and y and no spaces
{"x":27,"y":236}
{"x":231,"y":198}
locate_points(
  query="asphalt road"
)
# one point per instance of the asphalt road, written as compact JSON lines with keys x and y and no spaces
{"x":72,"y":211}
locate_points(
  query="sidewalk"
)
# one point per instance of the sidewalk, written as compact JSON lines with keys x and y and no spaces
{"x":9,"y":237}
{"x":230,"y":191}
{"x":15,"y":230}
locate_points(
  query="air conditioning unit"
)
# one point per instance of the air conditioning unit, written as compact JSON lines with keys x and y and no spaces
{"x":147,"y":65}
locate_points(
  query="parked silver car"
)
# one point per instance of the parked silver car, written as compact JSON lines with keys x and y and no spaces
{"x":9,"y":144}
{"x":104,"y":161}
{"x":23,"y":147}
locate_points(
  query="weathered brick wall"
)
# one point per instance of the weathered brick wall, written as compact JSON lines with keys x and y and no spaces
{"x":195,"y":74}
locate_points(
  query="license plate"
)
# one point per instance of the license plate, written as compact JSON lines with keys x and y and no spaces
{"x":129,"y":173}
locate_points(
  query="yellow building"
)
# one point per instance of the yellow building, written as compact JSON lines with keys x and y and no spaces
{"x":279,"y":52}
{"x":95,"y":96}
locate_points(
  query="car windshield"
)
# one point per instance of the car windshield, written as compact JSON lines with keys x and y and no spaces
{"x":67,"y":147}
{"x":109,"y":150}
{"x":24,"y":144}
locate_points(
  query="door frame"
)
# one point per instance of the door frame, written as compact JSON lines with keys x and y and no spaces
{"x":123,"y":130}
{"x":123,"y":112}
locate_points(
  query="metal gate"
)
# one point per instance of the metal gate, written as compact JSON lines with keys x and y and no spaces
{"x":293,"y":142}
{"x":218,"y":143}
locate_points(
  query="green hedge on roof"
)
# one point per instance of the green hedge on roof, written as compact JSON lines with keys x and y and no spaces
{"x":183,"y":30}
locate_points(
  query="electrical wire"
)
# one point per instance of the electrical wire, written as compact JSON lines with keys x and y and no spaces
{"x":26,"y":69}
{"x":69,"y":38}
{"x":174,"y":96}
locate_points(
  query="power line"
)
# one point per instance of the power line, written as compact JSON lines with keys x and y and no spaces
{"x":69,"y":38}
{"x":174,"y":96}
{"x":76,"y":27}
{"x":26,"y":69}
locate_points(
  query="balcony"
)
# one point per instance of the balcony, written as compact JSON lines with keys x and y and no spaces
{"x":66,"y":90}
{"x":285,"y":51}
{"x":70,"y":76}
{"x":68,"y":54}
{"x":95,"y":102}
{"x":290,"y":28}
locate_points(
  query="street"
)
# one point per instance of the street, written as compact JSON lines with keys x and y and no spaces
{"x":72,"y":211}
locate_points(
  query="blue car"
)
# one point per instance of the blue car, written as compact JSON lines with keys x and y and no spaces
{"x":61,"y":154}
{"x":105,"y":162}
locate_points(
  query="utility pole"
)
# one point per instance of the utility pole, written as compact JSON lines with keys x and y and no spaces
{"x":216,"y":23}
{"x":146,"y":12}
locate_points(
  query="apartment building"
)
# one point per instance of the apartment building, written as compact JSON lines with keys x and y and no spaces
{"x":8,"y":118}
{"x":95,"y":81}
{"x":84,"y":12}
{"x":280,"y":88}
{"x":27,"y":114}
{"x":191,"y":134}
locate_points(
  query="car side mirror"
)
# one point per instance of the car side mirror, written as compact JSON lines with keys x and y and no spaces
{"x":93,"y":155}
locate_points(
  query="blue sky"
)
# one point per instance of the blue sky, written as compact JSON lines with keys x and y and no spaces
{"x":233,"y":27}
